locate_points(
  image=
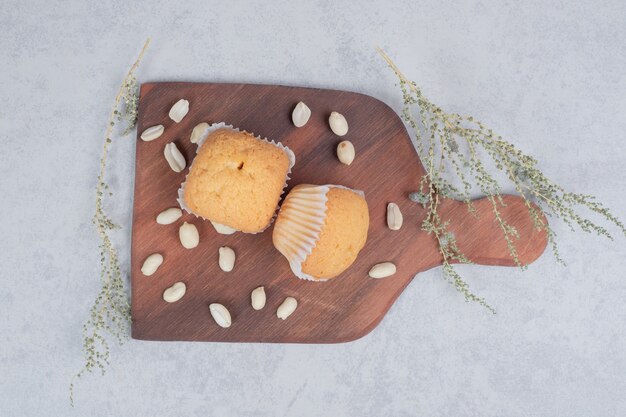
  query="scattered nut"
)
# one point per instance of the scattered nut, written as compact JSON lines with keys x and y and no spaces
{"x":223,"y":229}
{"x":179,"y":110}
{"x":188,"y":234}
{"x":345,"y":152}
{"x":394,"y":216}
{"x":286,"y":308}
{"x":301,"y":114}
{"x":169,"y":216}
{"x":174,"y":157}
{"x":220,"y":315}
{"x":199,"y":132}
{"x":226,"y":259}
{"x":152,"y":133}
{"x":258,"y":298}
{"x":151,"y":264}
{"x":382,"y":270}
{"x":338,"y":123}
{"x":175,"y":292}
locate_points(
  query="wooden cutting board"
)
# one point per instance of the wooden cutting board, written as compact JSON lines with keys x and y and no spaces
{"x":386,"y":167}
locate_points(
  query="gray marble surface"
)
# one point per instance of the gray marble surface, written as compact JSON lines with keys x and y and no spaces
{"x":549,"y":75}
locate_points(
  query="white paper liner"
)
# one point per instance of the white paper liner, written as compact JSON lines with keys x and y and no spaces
{"x":302,"y":214}
{"x":223,"y":229}
{"x":212,"y":128}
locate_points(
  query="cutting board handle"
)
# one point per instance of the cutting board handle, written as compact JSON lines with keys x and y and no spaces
{"x":480,"y":237}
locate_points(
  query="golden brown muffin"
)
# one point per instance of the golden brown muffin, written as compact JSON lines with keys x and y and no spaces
{"x":236,"y":180}
{"x":321,"y":229}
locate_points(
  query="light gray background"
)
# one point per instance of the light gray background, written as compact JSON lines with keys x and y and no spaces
{"x":548,"y":75}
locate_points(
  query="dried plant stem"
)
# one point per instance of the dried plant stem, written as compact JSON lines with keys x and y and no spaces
{"x":110,"y":313}
{"x":457,"y":140}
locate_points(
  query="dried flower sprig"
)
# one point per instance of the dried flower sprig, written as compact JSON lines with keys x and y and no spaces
{"x":130,"y":95}
{"x":451,"y":145}
{"x":109,"y":316}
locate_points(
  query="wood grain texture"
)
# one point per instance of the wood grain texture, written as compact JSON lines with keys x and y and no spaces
{"x":386,"y":167}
